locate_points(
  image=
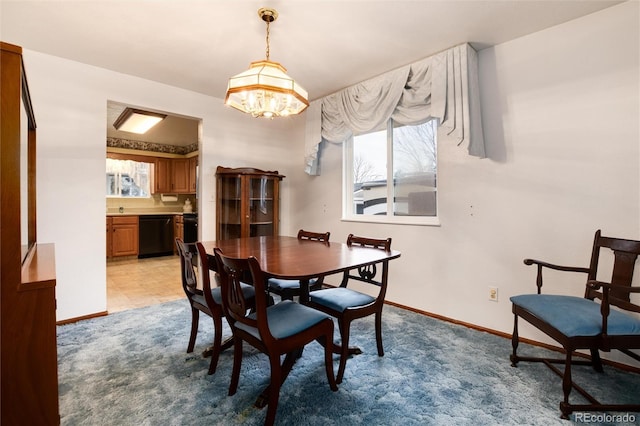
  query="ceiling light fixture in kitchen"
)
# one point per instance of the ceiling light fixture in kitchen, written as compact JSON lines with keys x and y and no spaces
{"x":265,"y":90}
{"x":137,"y":121}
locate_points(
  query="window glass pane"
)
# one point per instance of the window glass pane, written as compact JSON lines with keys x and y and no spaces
{"x":126,"y":178}
{"x":414,"y":170}
{"x":370,"y":174}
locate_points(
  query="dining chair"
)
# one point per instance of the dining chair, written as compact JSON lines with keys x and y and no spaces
{"x":347,"y":304}
{"x":604,"y":319}
{"x":205,"y":299}
{"x":275,"y":330}
{"x":287,"y":289}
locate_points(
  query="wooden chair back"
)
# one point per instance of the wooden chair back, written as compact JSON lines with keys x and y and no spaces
{"x":314,"y":236}
{"x":369,"y":273}
{"x":188,"y":262}
{"x":625,"y":254}
{"x":232,"y":273}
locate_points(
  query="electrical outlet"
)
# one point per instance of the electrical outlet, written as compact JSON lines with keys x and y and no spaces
{"x":493,"y":294}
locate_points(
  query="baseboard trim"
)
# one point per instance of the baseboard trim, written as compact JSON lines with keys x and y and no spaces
{"x":621,"y":366}
{"x":85,"y":317}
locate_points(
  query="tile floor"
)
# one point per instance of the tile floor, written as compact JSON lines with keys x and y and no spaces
{"x":135,"y":283}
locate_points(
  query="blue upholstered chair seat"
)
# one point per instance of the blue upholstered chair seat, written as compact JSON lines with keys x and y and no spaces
{"x":279,"y":317}
{"x":341,"y":298}
{"x":576,"y":316}
{"x":247,"y":290}
{"x":278,"y":284}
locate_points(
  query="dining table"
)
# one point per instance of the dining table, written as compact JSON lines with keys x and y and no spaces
{"x":295,"y":259}
{"x":291,"y":258}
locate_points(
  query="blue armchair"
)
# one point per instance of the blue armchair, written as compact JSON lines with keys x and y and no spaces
{"x":604,"y":319}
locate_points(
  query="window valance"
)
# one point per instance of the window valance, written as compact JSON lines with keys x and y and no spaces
{"x":442,"y":86}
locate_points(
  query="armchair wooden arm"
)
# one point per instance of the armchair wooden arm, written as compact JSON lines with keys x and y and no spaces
{"x":602,"y":290}
{"x":540,"y":264}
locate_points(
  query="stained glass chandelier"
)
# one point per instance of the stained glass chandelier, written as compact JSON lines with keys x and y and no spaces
{"x":265,"y":89}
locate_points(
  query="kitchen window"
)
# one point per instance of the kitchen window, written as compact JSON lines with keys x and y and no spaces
{"x":128,"y":178}
{"x":390,"y":175}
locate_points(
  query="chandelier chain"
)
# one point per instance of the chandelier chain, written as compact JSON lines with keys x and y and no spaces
{"x":267,"y":40}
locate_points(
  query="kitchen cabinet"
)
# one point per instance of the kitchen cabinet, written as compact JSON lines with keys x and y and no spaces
{"x":175,"y":175}
{"x":122,"y":236}
{"x":248,"y":202}
{"x":193,"y":174}
{"x":178,"y":230}
{"x":180,"y":176}
{"x":162,"y":176}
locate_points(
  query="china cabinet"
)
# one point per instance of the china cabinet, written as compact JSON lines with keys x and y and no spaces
{"x":248,"y":202}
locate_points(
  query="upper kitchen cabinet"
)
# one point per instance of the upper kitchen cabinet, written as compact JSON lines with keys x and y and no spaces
{"x":175,"y":175}
{"x":162,"y":176}
{"x":248,"y":202}
{"x":193,"y":174}
{"x":180,"y":175}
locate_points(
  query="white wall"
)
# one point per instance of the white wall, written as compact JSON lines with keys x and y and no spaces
{"x":561,"y":119}
{"x":70,"y":101}
{"x":561,"y":112}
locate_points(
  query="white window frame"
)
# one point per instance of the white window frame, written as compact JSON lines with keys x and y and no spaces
{"x":118,"y":183}
{"x":347,"y":190}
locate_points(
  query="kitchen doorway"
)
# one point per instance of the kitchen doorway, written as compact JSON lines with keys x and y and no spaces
{"x":137,"y":281}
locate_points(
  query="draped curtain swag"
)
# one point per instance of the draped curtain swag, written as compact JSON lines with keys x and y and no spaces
{"x":443,"y":86}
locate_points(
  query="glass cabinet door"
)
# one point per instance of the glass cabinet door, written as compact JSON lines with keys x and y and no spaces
{"x":260,"y":206}
{"x":230,"y":199}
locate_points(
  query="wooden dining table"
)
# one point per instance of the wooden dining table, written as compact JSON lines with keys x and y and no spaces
{"x":290,"y":258}
{"x":293,"y":259}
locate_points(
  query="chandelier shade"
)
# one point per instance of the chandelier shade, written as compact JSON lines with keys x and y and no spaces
{"x":265,"y":89}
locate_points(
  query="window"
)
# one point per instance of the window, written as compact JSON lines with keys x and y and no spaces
{"x":127,"y":178}
{"x":403,"y":155}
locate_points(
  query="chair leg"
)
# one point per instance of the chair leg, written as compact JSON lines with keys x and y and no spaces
{"x":217,"y":344}
{"x":379,"y":333}
{"x":328,"y":361}
{"x":596,"y":361}
{"x":567,"y":384}
{"x":344,"y":333}
{"x":514,"y":342}
{"x":274,"y":389}
{"x":195,"y":317}
{"x":237,"y":363}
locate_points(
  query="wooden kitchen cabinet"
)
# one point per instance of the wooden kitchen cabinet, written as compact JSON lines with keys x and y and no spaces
{"x":175,"y":175}
{"x":248,"y":202}
{"x":122,"y":236}
{"x":162,"y":176}
{"x":180,"y":176}
{"x":193,"y":174}
{"x":178,"y":230}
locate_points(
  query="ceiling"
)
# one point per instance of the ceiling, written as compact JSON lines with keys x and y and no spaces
{"x":325,"y":45}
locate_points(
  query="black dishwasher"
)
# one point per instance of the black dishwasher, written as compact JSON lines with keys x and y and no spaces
{"x":156,"y":236}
